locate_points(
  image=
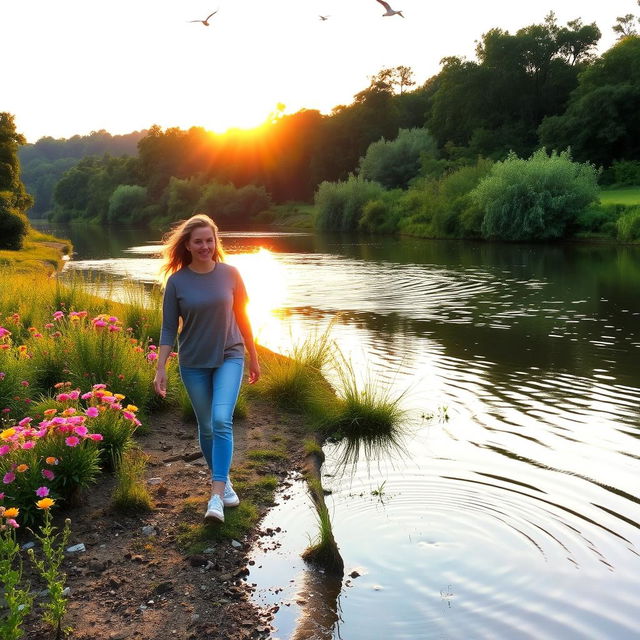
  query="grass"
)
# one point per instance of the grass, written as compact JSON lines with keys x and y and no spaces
{"x":130,"y":494}
{"x":266,"y":455}
{"x":39,"y":251}
{"x":293,"y":215}
{"x":626,"y":195}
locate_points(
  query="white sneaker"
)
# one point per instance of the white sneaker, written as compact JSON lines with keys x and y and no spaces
{"x":215,"y":509}
{"x":230,"y":498}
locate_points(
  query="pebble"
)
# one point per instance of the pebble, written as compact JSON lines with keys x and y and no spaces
{"x":28,"y":545}
{"x":155,"y":481}
{"x":149,"y":530}
{"x":77,"y":548}
{"x":236,"y":545}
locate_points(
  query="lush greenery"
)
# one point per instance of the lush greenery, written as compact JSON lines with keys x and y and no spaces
{"x":14,"y":199}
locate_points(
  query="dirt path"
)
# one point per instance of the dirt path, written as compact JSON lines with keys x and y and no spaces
{"x":135,"y":584}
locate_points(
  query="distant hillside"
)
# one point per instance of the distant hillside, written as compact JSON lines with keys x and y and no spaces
{"x":44,"y":162}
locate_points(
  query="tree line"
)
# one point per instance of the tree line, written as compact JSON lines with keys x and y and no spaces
{"x":543,"y":86}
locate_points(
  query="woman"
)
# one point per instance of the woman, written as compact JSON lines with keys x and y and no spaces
{"x":210,"y":299}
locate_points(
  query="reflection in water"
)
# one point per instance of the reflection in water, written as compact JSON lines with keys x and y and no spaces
{"x":320,"y":595}
{"x":523,"y":506}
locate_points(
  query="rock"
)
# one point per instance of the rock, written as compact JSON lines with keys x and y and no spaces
{"x":155,"y":481}
{"x":28,"y":545}
{"x":354,"y":574}
{"x":236,"y":545}
{"x":114,"y":582}
{"x":149,"y":530}
{"x":66,"y":592}
{"x":173,"y":458}
{"x":164,"y":587}
{"x":191,"y":456}
{"x":77,"y":548}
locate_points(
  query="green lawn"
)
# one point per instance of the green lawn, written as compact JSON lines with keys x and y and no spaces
{"x":628,"y":196}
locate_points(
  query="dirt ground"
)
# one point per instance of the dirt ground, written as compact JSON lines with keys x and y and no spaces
{"x":141,"y":585}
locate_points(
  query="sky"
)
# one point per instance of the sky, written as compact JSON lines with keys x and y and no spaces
{"x":76,"y":66}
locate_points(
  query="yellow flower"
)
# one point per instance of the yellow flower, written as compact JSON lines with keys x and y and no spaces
{"x":120,"y":396}
{"x":132,"y":408}
{"x":45,"y":503}
{"x":7,"y":433}
{"x":21,"y":468}
{"x":11,"y":512}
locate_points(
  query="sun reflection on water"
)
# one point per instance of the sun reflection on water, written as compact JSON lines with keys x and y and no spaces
{"x":265,"y":279}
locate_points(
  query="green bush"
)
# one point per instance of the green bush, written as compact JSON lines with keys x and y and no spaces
{"x":126,"y":203}
{"x":13,"y":225}
{"x":227,"y":204}
{"x":629,"y":226}
{"x":393,"y":163}
{"x":340,"y":205}
{"x":599,"y":219}
{"x":534,"y":199}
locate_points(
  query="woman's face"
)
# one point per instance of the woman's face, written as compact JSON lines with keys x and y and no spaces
{"x":202,"y":245}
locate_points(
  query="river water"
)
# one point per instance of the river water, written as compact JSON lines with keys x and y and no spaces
{"x":514,"y":512}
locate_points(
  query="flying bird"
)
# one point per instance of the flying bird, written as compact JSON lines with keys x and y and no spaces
{"x":323,"y":18}
{"x":205,"y":22}
{"x":390,"y":11}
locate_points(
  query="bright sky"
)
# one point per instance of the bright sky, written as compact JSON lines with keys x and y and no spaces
{"x":74,"y":66}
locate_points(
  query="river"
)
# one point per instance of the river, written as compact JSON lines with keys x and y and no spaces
{"x":514,"y":512}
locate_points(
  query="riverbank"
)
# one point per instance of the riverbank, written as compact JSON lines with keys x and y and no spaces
{"x":40,"y":251}
{"x":147,"y":576}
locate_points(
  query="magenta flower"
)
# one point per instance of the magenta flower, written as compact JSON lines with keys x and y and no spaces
{"x":63,"y":397}
{"x":92,"y":412}
{"x":42,"y":492}
{"x":48,"y":474}
{"x":4,"y":449}
{"x":2,"y":375}
{"x":25,"y":421}
{"x":1,"y":495}
{"x":24,"y":383}
{"x":128,"y":415}
{"x":81,"y":430}
{"x":96,"y":436}
{"x":29,"y":444}
{"x":57,"y":315}
{"x":12,"y":523}
{"x":99,"y":323}
{"x":9,"y":477}
{"x":99,"y":386}
{"x":72,"y":441}
{"x":152,"y":356}
{"x":74,"y":395}
{"x":86,"y":396}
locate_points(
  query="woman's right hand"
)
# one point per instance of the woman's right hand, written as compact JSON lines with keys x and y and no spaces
{"x":160,"y":382}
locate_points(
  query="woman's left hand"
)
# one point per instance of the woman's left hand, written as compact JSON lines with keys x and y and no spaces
{"x":254,"y":371}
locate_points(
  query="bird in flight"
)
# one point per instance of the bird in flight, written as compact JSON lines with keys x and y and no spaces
{"x":205,"y":22}
{"x":323,"y":18}
{"x":390,"y":11}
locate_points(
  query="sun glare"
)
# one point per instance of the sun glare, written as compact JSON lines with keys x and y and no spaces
{"x":265,"y":280}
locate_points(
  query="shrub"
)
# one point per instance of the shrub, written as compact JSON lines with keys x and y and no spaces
{"x":534,"y":199}
{"x":13,"y":225}
{"x":228,"y":204}
{"x":126,"y":203}
{"x":598,"y":219}
{"x":629,"y":226}
{"x":339,"y":205}
{"x":393,"y":163}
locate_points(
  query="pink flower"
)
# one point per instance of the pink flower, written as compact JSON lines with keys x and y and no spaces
{"x":81,"y":430}
{"x":113,"y":319}
{"x":152,"y":356}
{"x":57,"y":315}
{"x":72,"y":441}
{"x":4,"y":449}
{"x":96,"y":436}
{"x":1,"y":495}
{"x":128,"y":415}
{"x":86,"y":396}
{"x":24,"y":383}
{"x":63,"y":397}
{"x":48,"y":474}
{"x":109,"y":399}
{"x":99,"y":386}
{"x":74,"y":395}
{"x":9,"y":477}
{"x":99,"y":323}
{"x":42,"y":492}
{"x":152,"y":347}
{"x":49,"y":325}
{"x":114,"y":328}
{"x":2,"y":375}
{"x":25,"y":421}
{"x":92,"y":412}
{"x":12,"y":523}
{"x":29,"y":444}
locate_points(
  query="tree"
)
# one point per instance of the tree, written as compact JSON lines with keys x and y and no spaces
{"x":601,"y":122}
{"x":393,"y":163}
{"x":14,"y":199}
{"x":625,"y":26}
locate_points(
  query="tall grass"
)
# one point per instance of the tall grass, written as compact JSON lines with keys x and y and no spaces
{"x":131,"y":494}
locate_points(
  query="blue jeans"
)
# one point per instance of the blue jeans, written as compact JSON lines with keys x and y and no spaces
{"x":213,"y":393}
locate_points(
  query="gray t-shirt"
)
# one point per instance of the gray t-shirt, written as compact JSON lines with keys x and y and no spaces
{"x":206,"y":302}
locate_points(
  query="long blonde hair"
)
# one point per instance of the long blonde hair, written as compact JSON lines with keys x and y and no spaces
{"x":174,"y":253}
